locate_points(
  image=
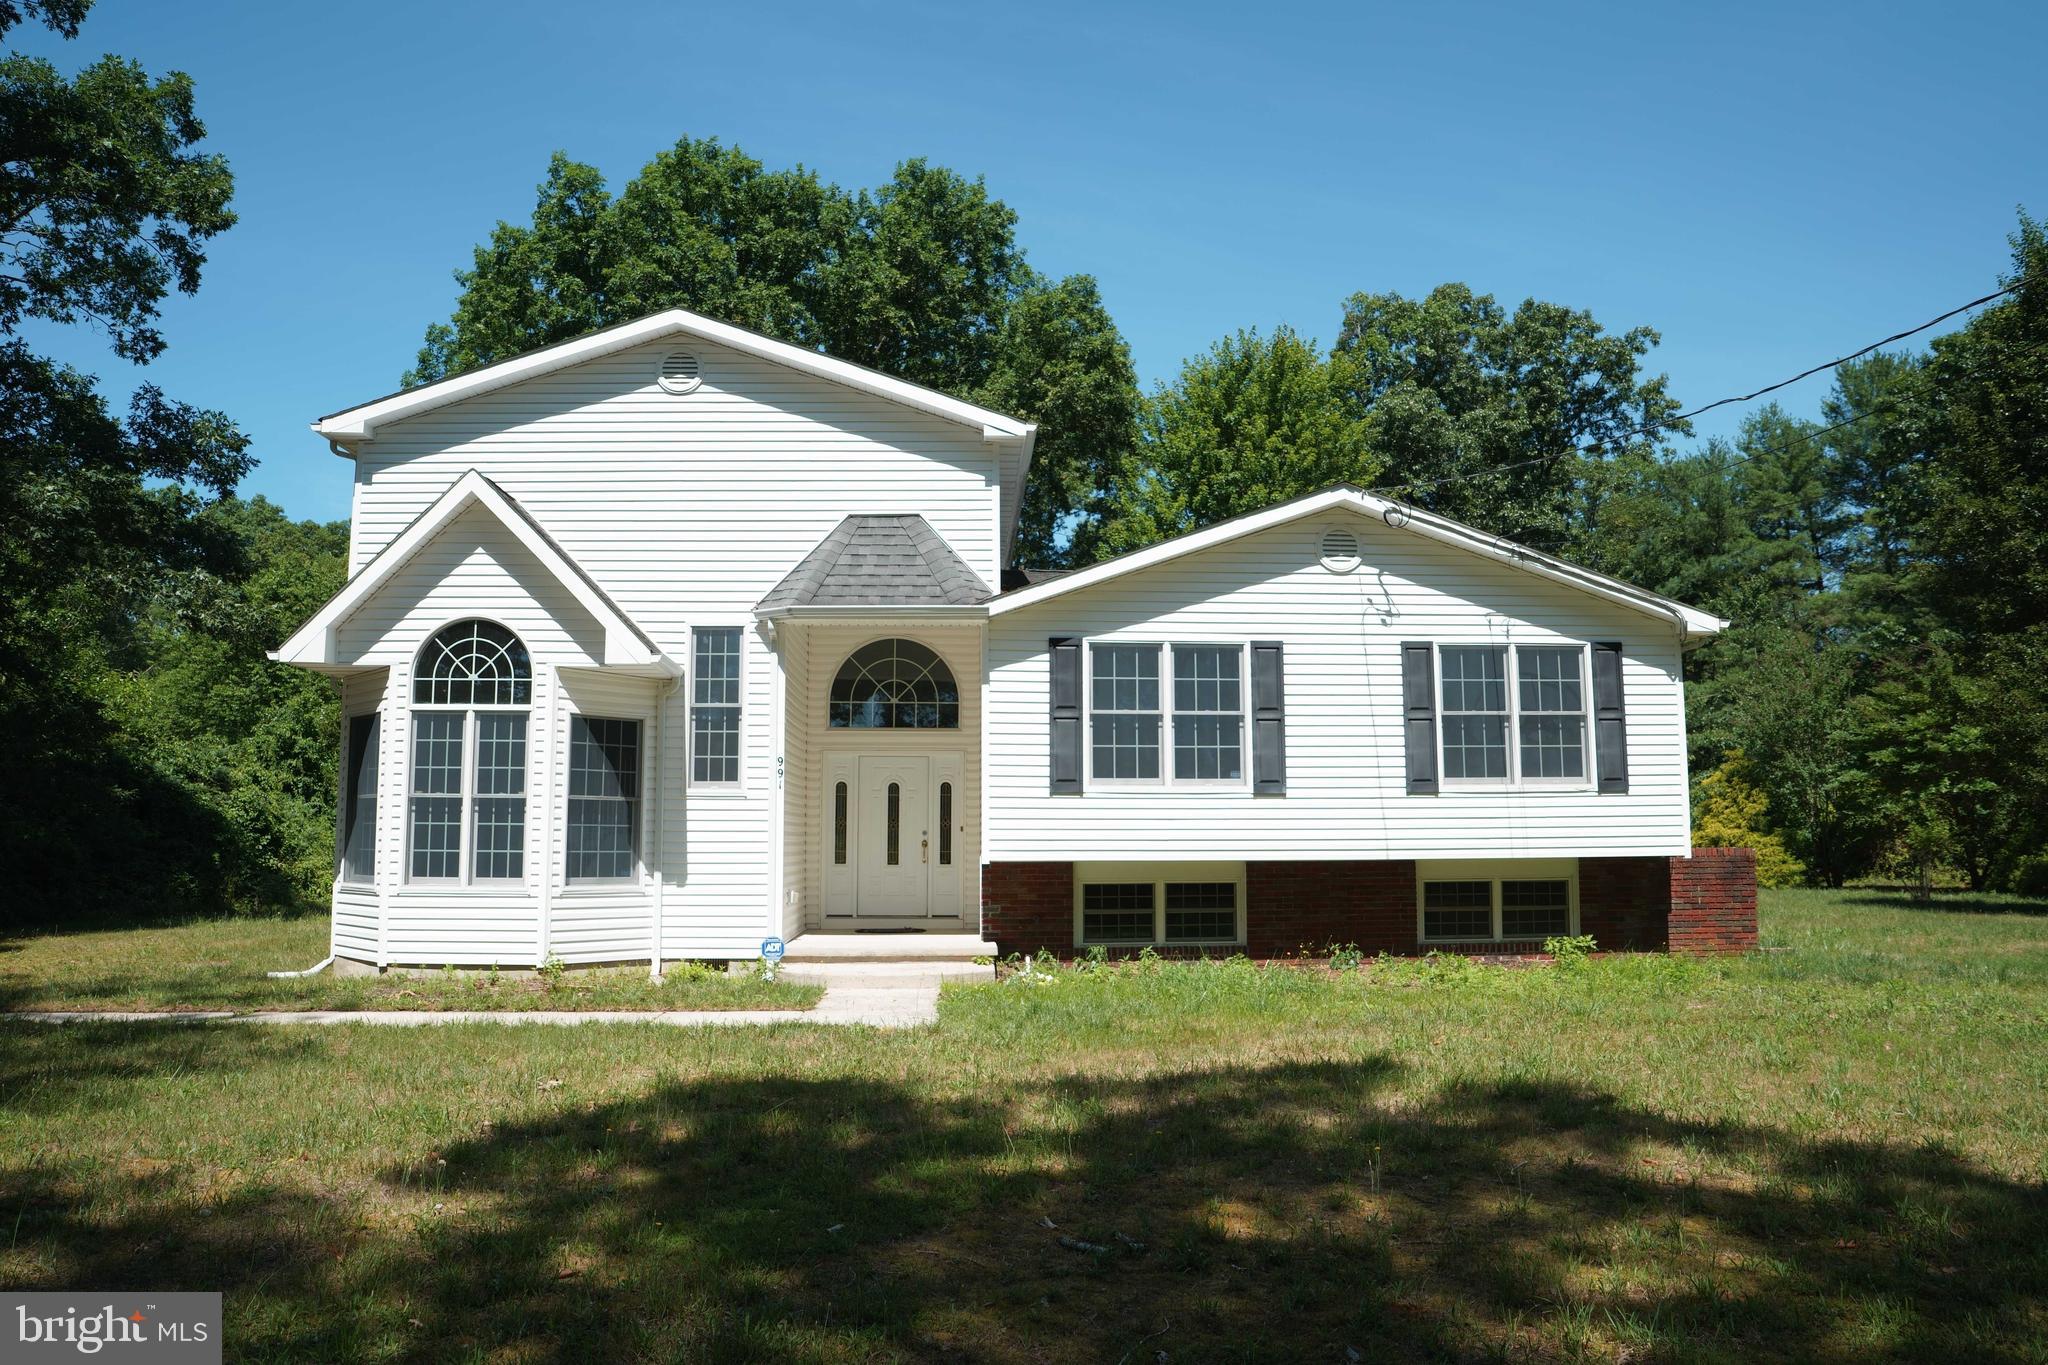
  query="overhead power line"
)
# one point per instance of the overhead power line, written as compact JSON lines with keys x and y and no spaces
{"x":1647,"y":428}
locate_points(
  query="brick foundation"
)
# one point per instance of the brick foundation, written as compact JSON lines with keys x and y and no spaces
{"x":1292,"y":907}
{"x":1713,"y":901}
{"x":1028,"y":906}
{"x":1702,"y":904}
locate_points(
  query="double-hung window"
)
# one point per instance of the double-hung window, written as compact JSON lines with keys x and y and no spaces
{"x":602,"y":839}
{"x":715,"y":708}
{"x":1208,"y":713}
{"x":359,"y":800}
{"x":467,"y":815}
{"x":1197,"y":707}
{"x":1124,"y":726}
{"x":1528,"y":730}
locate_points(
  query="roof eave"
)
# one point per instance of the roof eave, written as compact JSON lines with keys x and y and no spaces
{"x":360,"y":423}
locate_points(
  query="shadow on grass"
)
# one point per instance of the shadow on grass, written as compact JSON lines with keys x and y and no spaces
{"x":1949,"y":902}
{"x":1296,"y":1211}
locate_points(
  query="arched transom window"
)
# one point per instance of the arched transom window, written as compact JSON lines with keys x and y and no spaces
{"x":474,"y":663}
{"x":895,"y":685}
{"x":466,"y":818}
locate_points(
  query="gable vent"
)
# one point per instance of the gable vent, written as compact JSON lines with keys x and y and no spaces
{"x":1340,"y":550}
{"x":679,"y":372}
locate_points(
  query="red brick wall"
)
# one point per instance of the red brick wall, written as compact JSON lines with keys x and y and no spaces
{"x":1702,"y":904}
{"x":1028,"y":906}
{"x":1713,"y":901}
{"x":1624,"y":902}
{"x":1292,"y":906}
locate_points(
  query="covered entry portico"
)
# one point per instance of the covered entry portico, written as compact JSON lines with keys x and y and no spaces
{"x":880,"y":631}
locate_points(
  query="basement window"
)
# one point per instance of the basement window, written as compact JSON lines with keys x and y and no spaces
{"x":1496,"y":901}
{"x":1136,"y":905}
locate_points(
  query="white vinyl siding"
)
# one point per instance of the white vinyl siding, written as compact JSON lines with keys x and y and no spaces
{"x":685,"y":510}
{"x":1346,"y":792}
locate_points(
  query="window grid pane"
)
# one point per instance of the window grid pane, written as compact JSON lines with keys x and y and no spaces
{"x":1553,"y":702}
{"x":1208,"y":746}
{"x":1116,"y":912}
{"x":499,"y":822}
{"x":1126,"y":677}
{"x":474,"y":663}
{"x":1475,"y":703}
{"x":1197,"y":911}
{"x":1535,"y":909}
{"x":602,"y":838}
{"x":1457,"y":910}
{"x":436,"y":812}
{"x":945,"y":824}
{"x":1127,"y":748}
{"x":715,"y":709}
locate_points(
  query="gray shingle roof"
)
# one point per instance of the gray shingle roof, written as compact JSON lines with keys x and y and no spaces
{"x":878,"y":561}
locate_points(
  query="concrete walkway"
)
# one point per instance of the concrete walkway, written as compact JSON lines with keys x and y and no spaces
{"x":878,"y":994}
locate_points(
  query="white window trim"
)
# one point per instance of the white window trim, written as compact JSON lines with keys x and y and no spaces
{"x":1515,"y":781}
{"x":467,"y":880}
{"x":341,"y":876}
{"x":1166,"y":781}
{"x":1159,"y":874}
{"x":1496,"y":871}
{"x":738,"y":786}
{"x":639,"y":875}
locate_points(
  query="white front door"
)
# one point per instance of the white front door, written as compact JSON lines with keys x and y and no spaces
{"x":895,"y":837}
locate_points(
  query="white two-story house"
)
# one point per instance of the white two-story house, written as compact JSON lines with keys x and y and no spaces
{"x":673,"y":638}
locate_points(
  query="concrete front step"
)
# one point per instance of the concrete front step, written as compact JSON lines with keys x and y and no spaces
{"x":857,"y":974}
{"x":873,"y":948}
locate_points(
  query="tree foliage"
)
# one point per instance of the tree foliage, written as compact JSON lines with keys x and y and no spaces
{"x":921,"y":278}
{"x":173,"y":768}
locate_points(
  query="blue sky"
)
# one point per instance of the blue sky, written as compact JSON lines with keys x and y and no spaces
{"x":1767,"y":185}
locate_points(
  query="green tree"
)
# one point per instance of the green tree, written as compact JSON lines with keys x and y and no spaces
{"x":1254,"y":421}
{"x":105,"y":205}
{"x":1877,"y":458}
{"x":1787,"y":702}
{"x":921,"y":278}
{"x":1484,"y":415}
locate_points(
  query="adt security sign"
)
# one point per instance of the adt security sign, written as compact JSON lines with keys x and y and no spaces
{"x":772,"y":950}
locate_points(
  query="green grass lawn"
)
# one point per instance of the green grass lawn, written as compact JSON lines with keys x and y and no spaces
{"x":220,"y":965}
{"x":1834,"y":1152}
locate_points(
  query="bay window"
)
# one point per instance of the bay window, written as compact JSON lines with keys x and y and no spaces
{"x":602,"y":836}
{"x":467,"y":814}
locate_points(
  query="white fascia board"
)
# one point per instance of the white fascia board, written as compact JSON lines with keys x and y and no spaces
{"x":314,"y":644}
{"x":360,"y":423}
{"x":1693,"y":622}
{"x":1016,"y":495}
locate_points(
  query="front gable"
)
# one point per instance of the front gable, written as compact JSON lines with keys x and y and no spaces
{"x":473,"y":552}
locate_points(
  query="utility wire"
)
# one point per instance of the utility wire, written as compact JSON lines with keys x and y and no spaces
{"x":1597,"y":446}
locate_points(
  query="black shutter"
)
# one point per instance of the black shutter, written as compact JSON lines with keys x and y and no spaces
{"x":1269,"y":720}
{"x":1418,"y":696}
{"x":1610,"y":718}
{"x":1064,"y":654}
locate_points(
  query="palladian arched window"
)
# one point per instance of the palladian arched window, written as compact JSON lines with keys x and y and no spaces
{"x":466,"y":819}
{"x":895,"y":685}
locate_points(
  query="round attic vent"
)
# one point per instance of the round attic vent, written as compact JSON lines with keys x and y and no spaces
{"x":1340,"y":550}
{"x":679,"y":372}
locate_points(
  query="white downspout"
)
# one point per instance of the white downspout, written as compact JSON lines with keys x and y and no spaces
{"x":661,"y":703}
